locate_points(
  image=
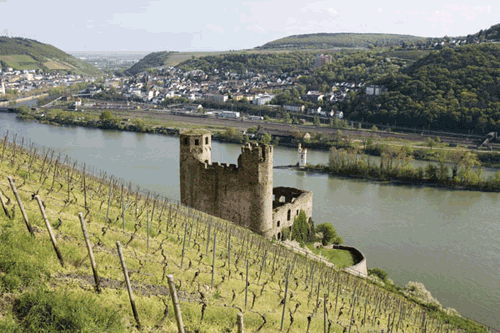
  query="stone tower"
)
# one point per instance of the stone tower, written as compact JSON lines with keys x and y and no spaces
{"x":241,"y":194}
{"x":195,"y":147}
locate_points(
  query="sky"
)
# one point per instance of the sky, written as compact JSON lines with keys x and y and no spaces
{"x":222,"y":25}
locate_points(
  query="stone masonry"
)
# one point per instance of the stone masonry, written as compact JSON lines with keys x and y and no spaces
{"x":240,"y":193}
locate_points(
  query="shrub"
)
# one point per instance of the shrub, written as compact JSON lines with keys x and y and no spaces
{"x":328,"y":234}
{"x":301,"y":229}
{"x":418,"y":290}
{"x":378,"y":272}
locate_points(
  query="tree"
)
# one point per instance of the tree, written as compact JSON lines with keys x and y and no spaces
{"x":286,"y":118}
{"x":266,"y":138}
{"x":430,"y":143}
{"x":139,"y":124}
{"x":106,"y":115}
{"x":301,"y":229}
{"x":329,"y":234}
{"x":316,"y":121}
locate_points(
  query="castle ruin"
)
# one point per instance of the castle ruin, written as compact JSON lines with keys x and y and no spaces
{"x":242,"y":193}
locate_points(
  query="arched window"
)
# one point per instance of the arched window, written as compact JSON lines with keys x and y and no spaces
{"x":289,"y":215}
{"x":278,"y":224}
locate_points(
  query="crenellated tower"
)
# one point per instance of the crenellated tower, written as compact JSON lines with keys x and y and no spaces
{"x":195,"y":150}
{"x":241,"y":194}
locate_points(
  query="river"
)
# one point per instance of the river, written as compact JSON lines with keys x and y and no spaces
{"x":446,"y":239}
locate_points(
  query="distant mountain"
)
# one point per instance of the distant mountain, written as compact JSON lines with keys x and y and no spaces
{"x":155,"y":59}
{"x":334,"y":40}
{"x":23,"y":53}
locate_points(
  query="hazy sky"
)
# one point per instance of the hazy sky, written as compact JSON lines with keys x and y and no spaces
{"x":217,"y":25}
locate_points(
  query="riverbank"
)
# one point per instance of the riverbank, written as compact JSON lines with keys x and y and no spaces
{"x":321,"y":138}
{"x":23,"y":99}
{"x":351,"y":163}
{"x":416,"y":180}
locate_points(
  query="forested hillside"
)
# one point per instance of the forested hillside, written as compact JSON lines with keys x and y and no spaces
{"x":290,"y":62}
{"x":23,"y":53}
{"x":452,"y":89}
{"x":333,"y":40}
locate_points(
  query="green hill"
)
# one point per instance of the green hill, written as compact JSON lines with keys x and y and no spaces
{"x":454,"y":89}
{"x":335,"y":40}
{"x":23,"y":53}
{"x":492,"y":34}
{"x":258,"y":62}
{"x":218,"y":268}
{"x":152,"y":60}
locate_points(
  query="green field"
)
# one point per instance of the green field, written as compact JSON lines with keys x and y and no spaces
{"x":20,"y":61}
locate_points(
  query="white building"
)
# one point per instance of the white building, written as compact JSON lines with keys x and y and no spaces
{"x":228,"y":114}
{"x":302,"y":156}
{"x":375,"y":90}
{"x":262,"y":99}
{"x":294,"y":108}
{"x":215,"y":98}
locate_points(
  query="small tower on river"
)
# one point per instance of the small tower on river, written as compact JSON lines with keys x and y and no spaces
{"x":302,"y":156}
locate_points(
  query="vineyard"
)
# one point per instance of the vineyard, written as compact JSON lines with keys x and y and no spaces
{"x":82,"y":251}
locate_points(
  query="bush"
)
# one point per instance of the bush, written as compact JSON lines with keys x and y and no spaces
{"x":378,"y":272}
{"x":328,"y":234}
{"x":418,"y":290}
{"x":301,"y":229}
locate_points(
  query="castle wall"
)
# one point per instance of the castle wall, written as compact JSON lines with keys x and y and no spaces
{"x":359,"y":268}
{"x":285,"y":212}
{"x":241,"y":194}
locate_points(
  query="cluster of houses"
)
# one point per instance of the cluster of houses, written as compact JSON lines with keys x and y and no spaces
{"x":196,"y":85}
{"x":169,"y":82}
{"x":26,"y":80}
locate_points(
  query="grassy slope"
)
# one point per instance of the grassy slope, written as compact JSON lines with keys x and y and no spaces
{"x":328,"y":40}
{"x":22,"y":53}
{"x":37,"y":293}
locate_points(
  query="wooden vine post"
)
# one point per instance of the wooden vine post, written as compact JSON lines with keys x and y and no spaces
{"x":175,"y":302}
{"x":129,"y":287}
{"x":213,"y":259}
{"x":184,"y":245}
{"x":49,"y":229}
{"x":284,"y":301}
{"x":147,"y":219}
{"x":246,"y":287}
{"x":109,"y":201}
{"x":21,"y":206}
{"x":4,"y":205}
{"x":241,"y":328}
{"x":91,"y":254}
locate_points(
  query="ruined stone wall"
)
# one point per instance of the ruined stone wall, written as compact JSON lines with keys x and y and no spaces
{"x":287,"y":204}
{"x":359,"y":268}
{"x":241,"y":194}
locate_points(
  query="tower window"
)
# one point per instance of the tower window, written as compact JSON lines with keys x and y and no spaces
{"x":186,"y":141}
{"x":289,"y":214}
{"x":196,"y":142}
{"x":206,"y":140}
{"x":278,"y":224}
